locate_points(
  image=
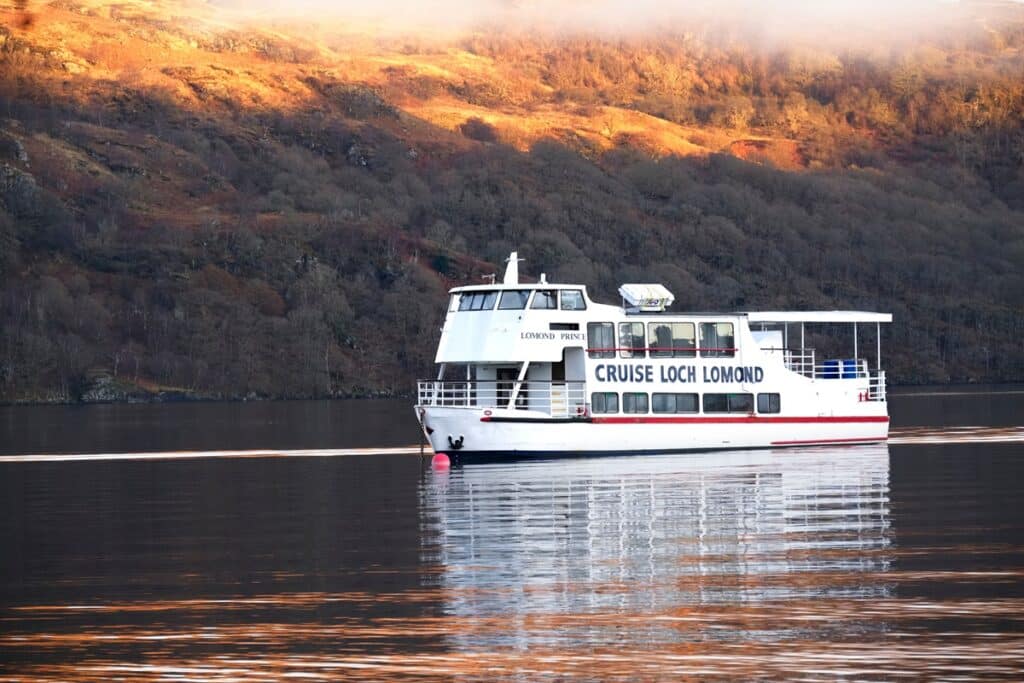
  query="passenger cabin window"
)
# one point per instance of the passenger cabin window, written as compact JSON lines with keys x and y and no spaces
{"x":545,"y":299}
{"x":477,"y":301}
{"x":514,"y":299}
{"x":634,"y":402}
{"x":604,"y":402}
{"x":717,"y":340}
{"x":674,"y":403}
{"x":769,"y":403}
{"x":601,"y":340}
{"x":572,"y":300}
{"x":631,"y":336}
{"x":728,"y":403}
{"x":668,"y":340}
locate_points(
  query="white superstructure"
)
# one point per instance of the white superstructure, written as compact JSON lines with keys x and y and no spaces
{"x":537,"y":369}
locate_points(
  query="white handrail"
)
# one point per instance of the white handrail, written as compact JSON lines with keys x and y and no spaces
{"x":876,"y":386}
{"x":555,"y":399}
{"x":805,"y":363}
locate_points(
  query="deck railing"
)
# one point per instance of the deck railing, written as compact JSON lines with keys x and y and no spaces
{"x":799,"y":361}
{"x":876,"y":386}
{"x":557,"y":399}
{"x":804,"y":362}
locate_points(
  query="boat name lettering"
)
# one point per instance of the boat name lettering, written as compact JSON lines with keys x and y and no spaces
{"x":552,"y":336}
{"x":669,"y":374}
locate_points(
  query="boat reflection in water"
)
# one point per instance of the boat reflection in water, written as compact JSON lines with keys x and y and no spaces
{"x":642,"y":558}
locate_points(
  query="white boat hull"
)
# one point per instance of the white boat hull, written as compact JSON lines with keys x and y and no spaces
{"x":468,"y":431}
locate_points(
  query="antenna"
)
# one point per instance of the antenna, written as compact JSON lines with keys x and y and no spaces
{"x":512,"y":270}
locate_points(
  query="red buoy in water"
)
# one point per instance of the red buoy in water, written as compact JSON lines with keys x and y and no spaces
{"x":440,"y":462}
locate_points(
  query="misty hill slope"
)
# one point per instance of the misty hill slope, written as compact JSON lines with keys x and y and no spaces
{"x":194,"y":202}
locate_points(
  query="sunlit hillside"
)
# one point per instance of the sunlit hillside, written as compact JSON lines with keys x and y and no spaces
{"x":203,"y":202}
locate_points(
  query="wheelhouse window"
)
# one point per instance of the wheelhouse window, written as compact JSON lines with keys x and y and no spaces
{"x":631,"y":337}
{"x":674,"y":403}
{"x":545,"y":299}
{"x":717,"y":340}
{"x":668,"y":340}
{"x":634,"y":402}
{"x":769,"y":403}
{"x":601,"y":340}
{"x":477,"y":301}
{"x":728,"y":403}
{"x":604,"y":402}
{"x":572,"y":300}
{"x":513,"y":300}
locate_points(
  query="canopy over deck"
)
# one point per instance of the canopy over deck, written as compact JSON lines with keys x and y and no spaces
{"x":818,"y":317}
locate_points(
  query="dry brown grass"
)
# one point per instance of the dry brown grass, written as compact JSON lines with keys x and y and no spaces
{"x":205,"y":61}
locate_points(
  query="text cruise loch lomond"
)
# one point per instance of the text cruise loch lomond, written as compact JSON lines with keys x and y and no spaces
{"x":540,"y":369}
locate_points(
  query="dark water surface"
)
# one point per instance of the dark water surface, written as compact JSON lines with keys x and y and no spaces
{"x":143,"y":427}
{"x":899,"y":561}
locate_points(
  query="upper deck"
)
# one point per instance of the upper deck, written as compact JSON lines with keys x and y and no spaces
{"x":515,"y":323}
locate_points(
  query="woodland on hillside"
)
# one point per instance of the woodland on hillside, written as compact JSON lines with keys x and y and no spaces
{"x":260,"y":218}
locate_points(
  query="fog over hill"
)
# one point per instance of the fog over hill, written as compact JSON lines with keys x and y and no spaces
{"x":825,"y":22}
{"x":227,"y":199}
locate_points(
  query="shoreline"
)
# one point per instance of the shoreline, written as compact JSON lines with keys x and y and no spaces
{"x":176,"y":397}
{"x":167,"y":397}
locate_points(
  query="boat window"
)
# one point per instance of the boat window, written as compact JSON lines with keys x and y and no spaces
{"x":634,"y":402}
{"x":672,"y":339}
{"x":572,"y":300}
{"x":545,"y":299}
{"x":717,"y":340}
{"x":741,"y":403}
{"x":564,"y":326}
{"x":768,"y":403}
{"x":601,"y":340}
{"x":514,"y":299}
{"x":477,"y":301}
{"x":674,"y":403}
{"x":631,"y":336}
{"x":604,"y":402}
{"x":728,"y":403}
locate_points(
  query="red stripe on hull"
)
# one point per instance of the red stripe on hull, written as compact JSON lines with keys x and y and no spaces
{"x":739,"y":420}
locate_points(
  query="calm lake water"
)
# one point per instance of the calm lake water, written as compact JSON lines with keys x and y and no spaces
{"x":898,"y":561}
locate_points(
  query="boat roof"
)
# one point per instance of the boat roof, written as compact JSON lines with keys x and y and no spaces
{"x":498,"y":286}
{"x":752,"y":316}
{"x":818,"y":317}
{"x":653,"y":299}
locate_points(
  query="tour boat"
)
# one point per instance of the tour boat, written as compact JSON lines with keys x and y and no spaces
{"x":540,"y":369}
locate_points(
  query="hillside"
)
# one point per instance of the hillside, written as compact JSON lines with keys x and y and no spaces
{"x":196,"y":203}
